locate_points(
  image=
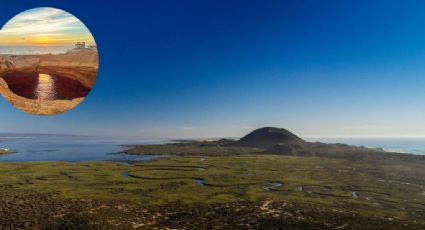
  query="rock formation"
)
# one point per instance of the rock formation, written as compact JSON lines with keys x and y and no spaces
{"x":78,"y":65}
{"x":40,"y":107}
{"x":267,"y":137}
{"x":280,"y":141}
{"x":4,"y":151}
{"x":81,"y":65}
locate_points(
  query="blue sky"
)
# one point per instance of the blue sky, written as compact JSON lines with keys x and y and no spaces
{"x":222,"y":68}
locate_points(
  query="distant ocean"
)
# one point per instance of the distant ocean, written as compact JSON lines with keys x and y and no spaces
{"x":401,"y":145}
{"x":42,"y":147}
{"x":28,"y":50}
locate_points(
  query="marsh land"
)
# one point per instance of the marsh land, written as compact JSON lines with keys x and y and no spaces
{"x":270,"y":179}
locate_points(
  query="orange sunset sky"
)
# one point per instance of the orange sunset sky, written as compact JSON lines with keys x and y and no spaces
{"x":44,"y":26}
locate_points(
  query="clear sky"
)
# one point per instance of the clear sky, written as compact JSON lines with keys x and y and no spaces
{"x":44,"y":26}
{"x":221,"y":68}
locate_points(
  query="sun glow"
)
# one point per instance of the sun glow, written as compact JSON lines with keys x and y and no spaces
{"x":45,"y":88}
{"x":43,"y":41}
{"x":44,"y":26}
{"x":44,"y":77}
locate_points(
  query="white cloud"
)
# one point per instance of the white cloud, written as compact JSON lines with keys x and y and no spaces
{"x":46,"y":21}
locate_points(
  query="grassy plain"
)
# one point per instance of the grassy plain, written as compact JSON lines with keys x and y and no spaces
{"x":371,"y":189}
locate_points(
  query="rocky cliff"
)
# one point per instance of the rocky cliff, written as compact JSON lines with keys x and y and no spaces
{"x":40,"y":107}
{"x":79,"y":65}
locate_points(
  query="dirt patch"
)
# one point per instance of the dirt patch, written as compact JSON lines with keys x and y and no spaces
{"x":50,"y":211}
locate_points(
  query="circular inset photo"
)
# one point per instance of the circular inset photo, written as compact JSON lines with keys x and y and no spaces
{"x":48,"y":61}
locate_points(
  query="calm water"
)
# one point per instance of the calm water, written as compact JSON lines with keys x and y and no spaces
{"x":34,"y":85}
{"x":402,"y":145}
{"x":65,"y":148}
{"x":38,"y":147}
{"x":46,"y":87}
{"x":34,"y":49}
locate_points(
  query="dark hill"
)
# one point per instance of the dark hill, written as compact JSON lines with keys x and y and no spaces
{"x":267,"y":137}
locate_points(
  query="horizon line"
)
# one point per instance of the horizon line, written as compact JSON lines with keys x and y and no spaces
{"x":215,"y":137}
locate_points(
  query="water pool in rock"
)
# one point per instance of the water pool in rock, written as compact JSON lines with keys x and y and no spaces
{"x":34,"y":85}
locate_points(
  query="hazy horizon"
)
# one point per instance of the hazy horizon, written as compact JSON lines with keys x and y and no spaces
{"x":204,"y":137}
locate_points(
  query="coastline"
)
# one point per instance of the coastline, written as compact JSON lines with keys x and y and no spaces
{"x":214,"y":148}
{"x":314,"y":186}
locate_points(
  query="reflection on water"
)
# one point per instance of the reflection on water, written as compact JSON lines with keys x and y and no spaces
{"x":34,"y":85}
{"x":273,"y":185}
{"x":200,"y":182}
{"x":46,"y":87}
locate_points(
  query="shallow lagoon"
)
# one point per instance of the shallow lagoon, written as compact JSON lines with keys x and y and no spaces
{"x":45,"y":147}
{"x":41,"y":147}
